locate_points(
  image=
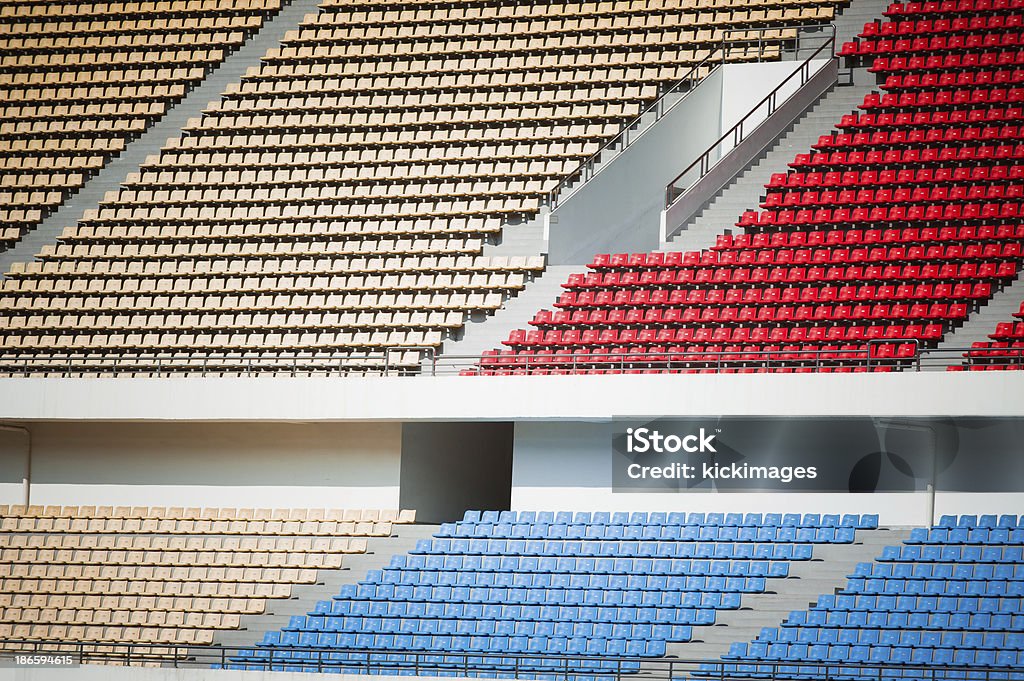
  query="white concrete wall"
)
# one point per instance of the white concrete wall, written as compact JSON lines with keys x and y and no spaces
{"x":504,"y":398}
{"x":109,"y":673}
{"x":335,"y":465}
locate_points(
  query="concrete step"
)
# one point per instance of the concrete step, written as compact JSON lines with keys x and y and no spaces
{"x":999,"y":308}
{"x":150,"y":142}
{"x":304,"y":597}
{"x":487,"y":333}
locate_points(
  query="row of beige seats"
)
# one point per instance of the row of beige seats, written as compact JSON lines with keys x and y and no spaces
{"x":505,"y":115}
{"x":429,"y":282}
{"x":107,"y":93}
{"x":207,"y":323}
{"x":175,"y":342}
{"x":306,"y":103}
{"x":149,"y":573}
{"x":97,"y":77}
{"x":41,"y":198}
{"x":205,"y":513}
{"x":10,"y":633}
{"x":133,"y":618}
{"x":125,"y":26}
{"x":10,"y":234}
{"x":578,"y":77}
{"x":424,"y":281}
{"x":354,"y":212}
{"x":368,"y":528}
{"x":67,"y":147}
{"x":652,"y":42}
{"x":69,"y":60}
{"x":298,"y":559}
{"x":115,"y":602}
{"x":119,"y":9}
{"x":125,"y":42}
{"x":180,"y":542}
{"x":492,"y":142}
{"x":20,"y":216}
{"x":41,"y":180}
{"x":258,"y":259}
{"x":92,"y":364}
{"x":354,"y":14}
{"x":311,"y":175}
{"x":50,"y":165}
{"x":299,"y":161}
{"x":337,"y":29}
{"x":102,"y":110}
{"x":124,"y":587}
{"x":62,"y":127}
{"x":334,"y":195}
{"x":255,"y":303}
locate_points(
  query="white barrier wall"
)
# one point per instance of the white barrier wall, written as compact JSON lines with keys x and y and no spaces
{"x":335,"y":465}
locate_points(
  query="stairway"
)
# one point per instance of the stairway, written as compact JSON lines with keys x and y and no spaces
{"x":520,"y":239}
{"x":999,"y":308}
{"x":488,"y":333}
{"x":823,"y":574}
{"x":746,"y":190}
{"x":379,"y":551}
{"x":149,"y":143}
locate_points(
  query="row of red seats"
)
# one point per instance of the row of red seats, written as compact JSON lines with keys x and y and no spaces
{"x":919,"y":136}
{"x":931,"y":155}
{"x":625,"y":298}
{"x":762,"y":297}
{"x":899,"y":195}
{"x":720,"y":334}
{"x":938,"y":43}
{"x":951,"y":24}
{"x":901,"y":9}
{"x":894,"y":214}
{"x":978,"y":59}
{"x":925,"y":119}
{"x":1008,"y":330}
{"x":670,"y":368}
{"x":696,"y":353}
{"x":932,"y":98}
{"x":907,"y":235}
{"x":945,"y":79}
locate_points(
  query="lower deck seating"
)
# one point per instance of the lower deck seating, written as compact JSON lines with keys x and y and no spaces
{"x":162,"y":576}
{"x":542,"y":587}
{"x":949,"y":596}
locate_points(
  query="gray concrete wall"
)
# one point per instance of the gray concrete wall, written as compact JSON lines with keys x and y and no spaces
{"x":109,"y":673}
{"x":335,"y":465}
{"x":620,"y":208}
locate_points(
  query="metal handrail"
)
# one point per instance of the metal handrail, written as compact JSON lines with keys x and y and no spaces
{"x":517,"y":664}
{"x":867,"y":355}
{"x":737,"y":131}
{"x":586,"y":170}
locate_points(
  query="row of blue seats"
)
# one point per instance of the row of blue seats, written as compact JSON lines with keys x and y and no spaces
{"x":454,"y":669}
{"x":879,"y":654}
{"x":863,"y":522}
{"x":989,"y":521}
{"x":800,"y":535}
{"x":614,"y":549}
{"x":904,"y":603}
{"x":547,"y":645}
{"x":963,"y":535}
{"x":552,"y":596}
{"x":887,"y":620}
{"x":625,"y":566}
{"x":563,"y":580}
{"x":502,"y":611}
{"x":945,"y":553}
{"x":939,"y":571}
{"x":935,"y":587}
{"x":470,"y":627}
{"x":837,"y":670}
{"x":895,"y":637}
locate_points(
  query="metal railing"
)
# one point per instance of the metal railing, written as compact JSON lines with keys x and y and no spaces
{"x":880,"y":354}
{"x":567,"y":667}
{"x":632,"y":130}
{"x":757,"y":116}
